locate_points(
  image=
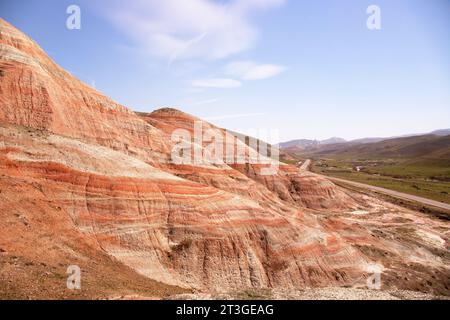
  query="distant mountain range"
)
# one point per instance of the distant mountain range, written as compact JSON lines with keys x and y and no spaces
{"x":433,"y":147}
{"x":442,"y":132}
{"x":306,"y":144}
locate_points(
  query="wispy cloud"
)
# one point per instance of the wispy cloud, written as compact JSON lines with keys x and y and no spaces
{"x":203,"y":102}
{"x":216,"y":83}
{"x":233,"y":116}
{"x":249,"y":70}
{"x":181,"y":29}
{"x":186,"y":47}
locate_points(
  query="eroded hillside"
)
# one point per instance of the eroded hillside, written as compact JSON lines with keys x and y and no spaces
{"x":86,"y":181}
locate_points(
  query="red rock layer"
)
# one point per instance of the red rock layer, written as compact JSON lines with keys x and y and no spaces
{"x":37,"y":93}
{"x":171,"y":229}
{"x":305,"y":190}
{"x":105,"y":176}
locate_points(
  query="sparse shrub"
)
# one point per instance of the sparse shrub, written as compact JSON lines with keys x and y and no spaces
{"x":183,"y":245}
{"x":255,"y":294}
{"x":278,"y":265}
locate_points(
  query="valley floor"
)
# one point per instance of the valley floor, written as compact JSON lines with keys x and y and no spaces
{"x":430,"y":182}
{"x":329,"y":293}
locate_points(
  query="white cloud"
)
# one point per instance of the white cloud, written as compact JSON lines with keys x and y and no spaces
{"x":203,"y":102}
{"x":187,"y":29}
{"x":233,"y":116}
{"x":258,"y":4}
{"x":248,"y":70}
{"x":216,"y":83}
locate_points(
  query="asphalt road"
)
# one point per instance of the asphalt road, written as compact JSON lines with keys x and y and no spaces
{"x":305,"y":165}
{"x":396,"y":194}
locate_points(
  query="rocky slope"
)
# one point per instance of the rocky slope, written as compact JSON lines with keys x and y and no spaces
{"x":286,"y":182}
{"x":84,"y":180}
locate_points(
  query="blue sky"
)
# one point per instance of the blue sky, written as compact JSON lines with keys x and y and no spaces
{"x":310,"y":69}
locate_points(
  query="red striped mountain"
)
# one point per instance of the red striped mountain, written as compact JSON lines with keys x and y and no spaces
{"x":86,"y":181}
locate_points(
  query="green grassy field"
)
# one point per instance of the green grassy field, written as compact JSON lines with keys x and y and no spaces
{"x":432,"y":182}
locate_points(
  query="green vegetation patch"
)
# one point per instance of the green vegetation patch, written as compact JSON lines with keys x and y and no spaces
{"x":432,"y":182}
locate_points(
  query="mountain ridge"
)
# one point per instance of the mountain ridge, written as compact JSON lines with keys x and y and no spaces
{"x":336,"y":140}
{"x":84,"y":179}
{"x":348,"y":146}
